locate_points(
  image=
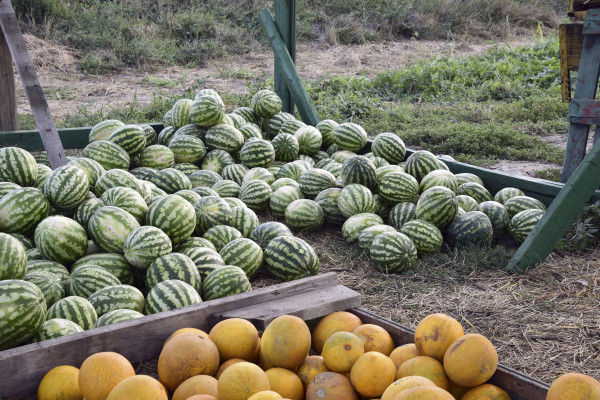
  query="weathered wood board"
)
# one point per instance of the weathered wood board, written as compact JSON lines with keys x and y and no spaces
{"x":583,"y":5}
{"x":8,"y":97}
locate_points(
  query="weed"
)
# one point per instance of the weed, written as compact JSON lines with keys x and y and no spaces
{"x":550,"y":174}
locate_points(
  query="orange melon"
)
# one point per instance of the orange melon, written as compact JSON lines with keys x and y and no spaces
{"x":226,"y":365}
{"x":187,"y":355}
{"x":435,"y":333}
{"x":340,"y":321}
{"x":285,"y":342}
{"x":202,"y":397}
{"x":423,"y":393}
{"x":185,"y":330}
{"x":101,"y":372}
{"x":372,"y":373}
{"x":286,"y":383}
{"x":242,"y":380}
{"x":485,"y":392}
{"x":330,"y":386}
{"x":199,"y":384}
{"x":138,"y":387}
{"x":341,"y":350}
{"x":60,"y":383}
{"x":403,"y":353}
{"x":265,"y":395}
{"x":408,"y":382}
{"x":574,"y":386}
{"x":311,"y":366}
{"x":425,"y":366}
{"x":375,"y":338}
{"x":235,"y":338}
{"x":471,"y":360}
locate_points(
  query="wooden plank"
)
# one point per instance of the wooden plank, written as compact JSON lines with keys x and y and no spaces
{"x":290,"y":74}
{"x":518,"y":385}
{"x":22,"y":368}
{"x":584,"y":111}
{"x":8,"y":97}
{"x":559,"y":216}
{"x":31,"y":84}
{"x":583,"y":5}
{"x":565,"y":74}
{"x":285,"y":20}
{"x":305,"y":306}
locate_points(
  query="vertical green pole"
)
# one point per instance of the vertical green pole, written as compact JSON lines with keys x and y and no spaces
{"x":285,"y":20}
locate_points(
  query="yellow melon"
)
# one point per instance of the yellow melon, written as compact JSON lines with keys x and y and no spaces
{"x":311,"y":366}
{"x":375,"y":338}
{"x":330,"y":386}
{"x":470,"y":360}
{"x":456,"y":390}
{"x":485,"y":392}
{"x":226,"y":365}
{"x":285,"y":342}
{"x":340,"y":321}
{"x":403,"y":353}
{"x":435,"y":333}
{"x":187,"y":355}
{"x":242,"y":380}
{"x":372,"y":373}
{"x":202,"y":397}
{"x":138,"y":387}
{"x":101,"y":372}
{"x":199,"y":384}
{"x":425,"y":366}
{"x":286,"y":383}
{"x":341,"y":350}
{"x":60,"y":383}
{"x":574,"y":386}
{"x":423,"y":393}
{"x":408,"y":382}
{"x":185,"y":330}
{"x":264,"y":364}
{"x":235,"y":338}
{"x":265,"y":395}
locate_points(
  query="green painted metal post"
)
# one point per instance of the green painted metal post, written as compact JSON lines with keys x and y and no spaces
{"x":561,"y":213}
{"x":285,"y":20}
{"x":288,"y":69}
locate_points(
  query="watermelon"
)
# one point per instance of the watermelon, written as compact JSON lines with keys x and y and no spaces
{"x":256,"y":194}
{"x":112,"y":317}
{"x":34,"y":254}
{"x":234,"y":172}
{"x":204,"y":178}
{"x":304,"y":215}
{"x":55,"y":328}
{"x":238,"y":120}
{"x":88,"y":279}
{"x":288,"y":258}
{"x":115,"y":178}
{"x":243,"y":253}
{"x":473,"y":227}
{"x":389,"y":146}
{"x":171,"y":180}
{"x":23,"y":312}
{"x":22,"y":210}
{"x":193,"y":242}
{"x":190,"y":130}
{"x":143,"y":174}
{"x":216,"y":160}
{"x":264,"y":233}
{"x":48,"y":266}
{"x":173,"y":266}
{"x":250,"y":131}
{"x":328,"y":200}
{"x":102,"y":130}
{"x":235,"y":202}
{"x":42,"y":173}
{"x":186,"y":168}
{"x":350,"y":136}
{"x":516,"y":204}
{"x":130,"y":138}
{"x":282,"y":182}
{"x":437,"y":205}
{"x":399,"y":187}
{"x":24,"y":240}
{"x":220,"y":235}
{"x":359,"y":169}
{"x":116,"y":264}
{"x":75,"y":309}
{"x":244,"y":220}
{"x":258,"y":173}
{"x":225,"y":281}
{"x":355,"y":199}
{"x":282,"y":197}
{"x":504,"y":194}
{"x":468,"y":177}
{"x":7,"y":187}
{"x":126,"y":199}
{"x":211,"y":211}
{"x":66,"y":187}
{"x":109,"y":227}
{"x":357,"y":223}
{"x":187,"y":149}
{"x":117,"y":297}
{"x":207,"y":110}
{"x":41,"y":158}
{"x":108,"y":154}
{"x":50,"y":284}
{"x":420,"y":163}
{"x":393,"y":252}
{"x":190,"y":196}
{"x":276,"y":121}
{"x":181,"y":113}
{"x":342,"y":156}
{"x":208,"y":92}
{"x":205,"y":259}
{"x":314,"y":181}
{"x":439,"y":177}
{"x":224,"y":137}
{"x":248,"y":114}
{"x":521,"y":225}
{"x":426,"y":237}
{"x":309,"y":139}
{"x":145,"y":244}
{"x":382,"y":207}
{"x":467,"y":203}
{"x":265,"y":103}
{"x":168,"y":118}
{"x":327,"y":128}
{"x":291,"y":126}
{"x":61,"y":239}
{"x":365,"y":238}
{"x":497,"y":214}
{"x":292,"y":170}
{"x":165,"y":136}
{"x":17,"y":166}
{"x":475,"y":190}
{"x":170,"y":295}
{"x":151,"y":136}
{"x":92,"y":169}
{"x":226,"y":188}
{"x":286,"y":147}
{"x":257,"y":153}
{"x":174,"y":215}
{"x":377,"y":161}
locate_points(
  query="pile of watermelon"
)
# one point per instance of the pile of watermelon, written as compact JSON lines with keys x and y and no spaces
{"x":148,"y":222}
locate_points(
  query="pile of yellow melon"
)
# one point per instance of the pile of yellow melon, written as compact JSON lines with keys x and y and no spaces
{"x":357,"y":361}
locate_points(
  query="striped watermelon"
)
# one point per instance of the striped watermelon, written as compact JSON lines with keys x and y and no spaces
{"x":22,"y":209}
{"x":257,"y":153}
{"x":393,"y":252}
{"x":50,"y":284}
{"x":304,"y":215}
{"x":439,"y":177}
{"x":207,"y":110}
{"x":475,"y":190}
{"x":143,"y":174}
{"x":130,"y":138}
{"x":238,"y":120}
{"x":181,"y":113}
{"x":472,"y":228}
{"x":365,"y":238}
{"x":224,"y":137}
{"x":190,"y":130}
{"x":264,"y":233}
{"x":243,"y":253}
{"x":276,"y":121}
{"x":234,"y":172}
{"x":225,"y":281}
{"x":42,"y":158}
{"x":88,"y":279}
{"x":173,"y":266}
{"x":7,"y":187}
{"x":248,"y":114}
{"x":205,"y":259}
{"x":467,"y":203}
{"x":399,"y":187}
{"x":193,"y":242}
{"x":521,"y":225}
{"x":34,"y":254}
{"x":342,"y":156}
{"x":426,"y":237}
{"x":66,"y":187}
{"x":286,"y":147}
{"x":190,"y":196}
{"x":389,"y":146}
{"x":204,"y":191}
{"x":350,"y":136}
{"x":174,"y":215}
{"x":17,"y":166}
{"x":170,"y":295}
{"x":216,"y":160}
{"x":468,"y":177}
{"x":204,"y":178}
{"x":167,"y":118}
{"x":314,"y":181}
{"x":109,"y":227}
{"x":256,"y":194}
{"x":244,"y":220}
{"x":357,"y":223}
{"x":108,"y":154}
{"x":126,"y":199}
{"x":116,"y":178}
{"x":208,"y":92}
{"x":165,"y":136}
{"x":292,"y":170}
{"x":92,"y":169}
{"x":102,"y":130}
{"x":497,"y":214}
{"x":55,"y":328}
{"x":327,"y":128}
{"x":145,"y":244}
{"x":187,"y":149}
{"x":171,"y":180}
{"x":282,"y":197}
{"x":377,"y":161}
{"x":356,"y":199}
{"x":282,"y":182}
{"x":75,"y":309}
{"x":420,"y":163}
{"x":504,"y":194}
{"x":220,"y":235}
{"x":265,"y":103}
{"x":23,"y":312}
{"x":61,"y":239}
{"x":112,"y":317}
{"x":42,"y":172}
{"x":288,"y":258}
{"x":328,"y":200}
{"x":24,"y":240}
{"x":516,"y":204}
{"x":116,"y":264}
{"x":259,"y":173}
{"x":211,"y":211}
{"x":48,"y":266}
{"x":309,"y":139}
{"x":437,"y":205}
{"x":151,"y":136}
{"x":382,"y":207}
{"x":235,"y":202}
{"x":291,"y":126}
{"x":359,"y":169}
{"x":383,"y":171}
{"x":250,"y":131}
{"x":334,"y":167}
